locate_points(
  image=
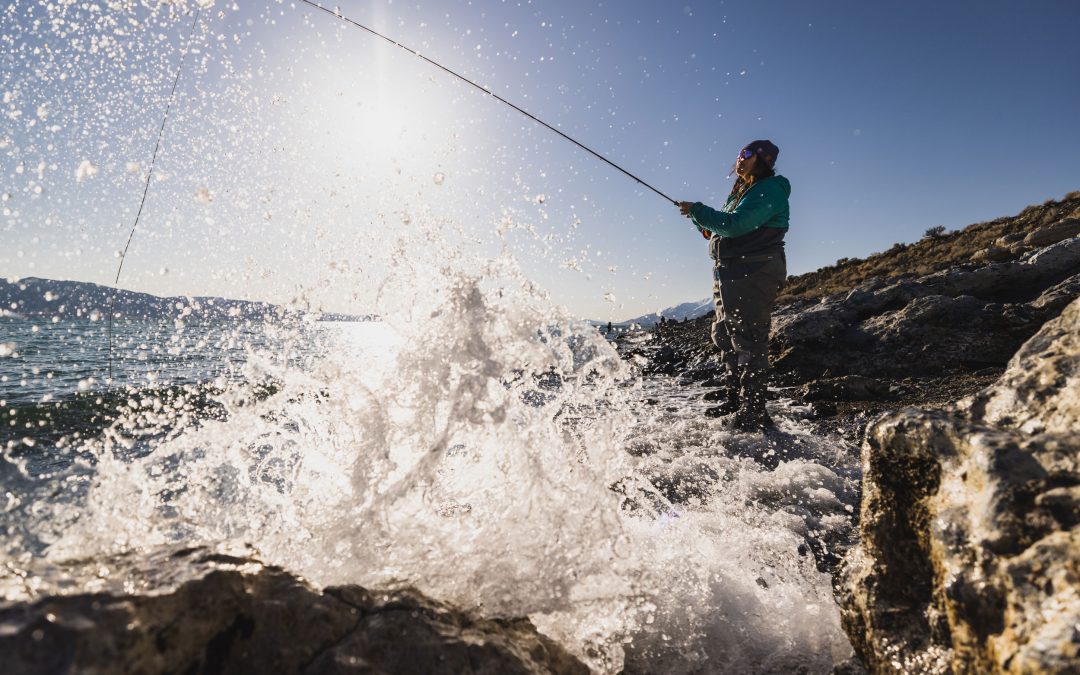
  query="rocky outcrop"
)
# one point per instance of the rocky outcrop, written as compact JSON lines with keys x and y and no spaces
{"x":199,"y":611}
{"x":1054,"y":233}
{"x":958,"y":320}
{"x":1001,"y":239}
{"x":969,"y":553}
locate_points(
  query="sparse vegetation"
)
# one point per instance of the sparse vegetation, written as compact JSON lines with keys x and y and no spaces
{"x":930,"y":254}
{"x":934,"y":232}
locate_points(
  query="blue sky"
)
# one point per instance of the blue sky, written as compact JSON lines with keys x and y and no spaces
{"x":299,"y":151}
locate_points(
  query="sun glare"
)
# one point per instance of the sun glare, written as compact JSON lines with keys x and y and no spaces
{"x":376,"y":115}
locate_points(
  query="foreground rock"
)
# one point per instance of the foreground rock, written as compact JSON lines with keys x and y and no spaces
{"x":197,"y":611}
{"x":969,"y":558}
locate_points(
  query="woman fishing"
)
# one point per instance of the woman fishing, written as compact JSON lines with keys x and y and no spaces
{"x":746,"y":243}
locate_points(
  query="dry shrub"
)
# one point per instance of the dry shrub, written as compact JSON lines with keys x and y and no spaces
{"x":1050,"y":217}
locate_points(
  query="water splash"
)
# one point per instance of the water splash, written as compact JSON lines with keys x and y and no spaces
{"x":488,"y":449}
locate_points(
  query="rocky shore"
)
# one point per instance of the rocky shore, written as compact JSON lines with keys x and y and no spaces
{"x":955,"y":364}
{"x":918,"y":325}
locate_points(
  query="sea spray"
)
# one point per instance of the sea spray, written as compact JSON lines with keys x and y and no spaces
{"x":486,"y":448}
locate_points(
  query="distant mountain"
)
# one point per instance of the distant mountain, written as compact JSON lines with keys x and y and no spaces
{"x":34,"y":297}
{"x":687,"y":310}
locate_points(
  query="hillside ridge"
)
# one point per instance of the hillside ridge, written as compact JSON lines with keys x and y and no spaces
{"x":999,"y":240}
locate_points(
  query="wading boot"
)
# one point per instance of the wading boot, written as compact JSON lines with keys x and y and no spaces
{"x":726,"y":395}
{"x":751,"y":415}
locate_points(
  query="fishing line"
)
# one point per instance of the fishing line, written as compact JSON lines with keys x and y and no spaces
{"x":346,"y":19}
{"x":146,"y":188}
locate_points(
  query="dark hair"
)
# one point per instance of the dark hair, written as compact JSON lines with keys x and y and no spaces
{"x":766,"y":153}
{"x":761,"y":170}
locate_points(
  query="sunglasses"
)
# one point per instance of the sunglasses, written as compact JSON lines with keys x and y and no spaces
{"x":746,"y":154}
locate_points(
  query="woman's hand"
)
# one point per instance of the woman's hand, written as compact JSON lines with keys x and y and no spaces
{"x":684,"y":208}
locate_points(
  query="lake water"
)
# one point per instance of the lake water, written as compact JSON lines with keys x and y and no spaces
{"x":502,"y":460}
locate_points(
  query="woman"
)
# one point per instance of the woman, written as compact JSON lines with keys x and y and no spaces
{"x":746,"y":242}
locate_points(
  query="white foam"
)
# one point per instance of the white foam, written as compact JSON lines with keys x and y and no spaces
{"x":475,"y":445}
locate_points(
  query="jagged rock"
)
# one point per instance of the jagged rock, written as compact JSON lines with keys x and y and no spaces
{"x":199,"y":611}
{"x":1054,"y":233}
{"x":969,"y":557}
{"x":663,"y":361}
{"x":817,"y":324}
{"x":1058,"y":296}
{"x":1040,"y":391}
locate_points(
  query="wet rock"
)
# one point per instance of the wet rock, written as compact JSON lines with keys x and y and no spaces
{"x":716,"y":395}
{"x":1054,"y":233}
{"x":701,"y":375}
{"x":824,"y":408}
{"x":685,"y":484}
{"x":846,"y":388}
{"x":664,"y":355}
{"x":969,"y":553}
{"x":199,"y":611}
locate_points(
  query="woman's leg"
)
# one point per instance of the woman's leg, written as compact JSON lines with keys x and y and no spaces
{"x":725,"y":344}
{"x":748,"y":293}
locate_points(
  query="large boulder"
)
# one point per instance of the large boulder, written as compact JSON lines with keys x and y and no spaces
{"x":969,"y":553}
{"x":200,"y":611}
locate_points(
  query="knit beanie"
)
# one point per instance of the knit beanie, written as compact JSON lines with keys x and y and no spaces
{"x":766,"y":150}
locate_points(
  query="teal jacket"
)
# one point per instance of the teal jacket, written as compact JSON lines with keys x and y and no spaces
{"x":763,"y":205}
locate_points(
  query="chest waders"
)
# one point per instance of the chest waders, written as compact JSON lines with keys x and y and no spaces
{"x":744,"y":291}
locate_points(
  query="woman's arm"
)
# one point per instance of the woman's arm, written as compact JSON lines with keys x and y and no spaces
{"x":754,"y":210}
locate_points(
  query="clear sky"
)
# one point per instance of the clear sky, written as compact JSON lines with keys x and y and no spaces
{"x":300,"y":152}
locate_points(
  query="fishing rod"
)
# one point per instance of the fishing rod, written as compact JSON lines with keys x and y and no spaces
{"x":146,"y":188}
{"x":342,"y":17}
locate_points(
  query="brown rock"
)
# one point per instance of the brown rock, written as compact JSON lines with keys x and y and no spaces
{"x":1007,"y":240}
{"x":197,"y":611}
{"x":992,"y":254}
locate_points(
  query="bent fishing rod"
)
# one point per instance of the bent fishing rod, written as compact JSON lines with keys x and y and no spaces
{"x":146,"y":188}
{"x":342,"y":17}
